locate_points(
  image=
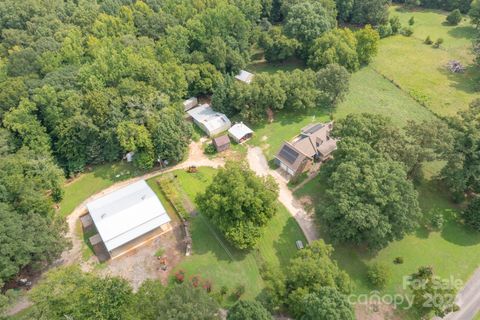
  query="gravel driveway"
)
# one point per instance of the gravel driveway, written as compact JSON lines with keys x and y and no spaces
{"x":258,"y":163}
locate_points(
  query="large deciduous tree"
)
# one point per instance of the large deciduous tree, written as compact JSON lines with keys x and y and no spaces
{"x":462,"y":172}
{"x":186,"y":302}
{"x":239,"y":203}
{"x":327,"y":304}
{"x":307,"y":20}
{"x":311,"y":271}
{"x":248,"y":310}
{"x":471,"y":215}
{"x":333,"y":82}
{"x":336,"y":46}
{"x":374,"y":12}
{"x":369,"y":200}
{"x":432,"y":296}
{"x":70,"y":293}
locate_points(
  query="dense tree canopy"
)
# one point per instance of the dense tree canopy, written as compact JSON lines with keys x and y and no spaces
{"x":369,"y":200}
{"x":344,"y":47}
{"x":462,"y":172}
{"x":310,"y":272}
{"x":290,"y":91}
{"x":327,"y":304}
{"x":425,"y":286}
{"x":239,"y":203}
{"x":68,"y":292}
{"x":185,"y":302}
{"x":415,"y":144}
{"x":248,"y":310}
{"x":307,"y":20}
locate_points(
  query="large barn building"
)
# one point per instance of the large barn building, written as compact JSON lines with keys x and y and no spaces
{"x":127,"y":218}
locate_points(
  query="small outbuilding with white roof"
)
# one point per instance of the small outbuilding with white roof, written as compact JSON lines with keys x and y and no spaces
{"x":128,"y":217}
{"x":240,"y":132}
{"x":209,"y":120}
{"x":245,"y":76}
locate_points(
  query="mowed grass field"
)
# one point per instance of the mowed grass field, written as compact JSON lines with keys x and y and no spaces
{"x":453,"y":252}
{"x":420,"y":70}
{"x":93,"y":181}
{"x":215,"y":260}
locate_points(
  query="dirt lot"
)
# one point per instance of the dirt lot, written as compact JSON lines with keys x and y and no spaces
{"x":377,"y":311}
{"x":142,"y":263}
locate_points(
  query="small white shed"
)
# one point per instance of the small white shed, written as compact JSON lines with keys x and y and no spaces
{"x":190,"y":103}
{"x":245,"y":76}
{"x":240,"y":132}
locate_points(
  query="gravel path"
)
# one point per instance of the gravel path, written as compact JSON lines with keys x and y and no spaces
{"x":306,"y":220}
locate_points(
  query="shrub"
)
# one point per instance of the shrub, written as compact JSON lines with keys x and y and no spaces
{"x":438,"y":43}
{"x":223,"y":290}
{"x":455,"y":17}
{"x":395,"y":24}
{"x":411,"y":21}
{"x":428,"y":40}
{"x":180,"y":276}
{"x":378,"y":275}
{"x":210,"y":149}
{"x":385,"y":30}
{"x":407,"y":31}
{"x":207,"y":285}
{"x":160,"y":252}
{"x":434,"y":219}
{"x":471,"y":215}
{"x":195,"y":281}
{"x":239,"y":291}
{"x":398,"y":260}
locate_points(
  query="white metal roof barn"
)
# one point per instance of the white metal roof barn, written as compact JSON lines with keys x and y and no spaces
{"x":126,"y":214}
{"x":209,"y":120}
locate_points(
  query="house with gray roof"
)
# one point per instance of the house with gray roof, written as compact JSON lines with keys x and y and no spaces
{"x":313,"y":144}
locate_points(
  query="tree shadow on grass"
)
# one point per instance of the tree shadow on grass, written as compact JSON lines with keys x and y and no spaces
{"x":206,"y":238}
{"x":467,"y":32}
{"x":459,"y":234}
{"x":465,"y":81}
{"x":285,"y":248}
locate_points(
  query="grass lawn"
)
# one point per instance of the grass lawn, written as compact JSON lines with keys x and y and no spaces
{"x":215,"y":260}
{"x":428,"y":22}
{"x":454,"y":251}
{"x":91,"y":182}
{"x":372,"y":93}
{"x":420,"y":70}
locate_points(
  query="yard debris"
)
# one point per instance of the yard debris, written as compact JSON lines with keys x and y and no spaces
{"x":455,"y":66}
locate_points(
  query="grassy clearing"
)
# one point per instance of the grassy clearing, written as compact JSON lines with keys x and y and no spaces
{"x":454,"y":251}
{"x":91,"y":182}
{"x":226,"y":266}
{"x":419,"y":69}
{"x":458,"y":39}
{"x":372,"y":93}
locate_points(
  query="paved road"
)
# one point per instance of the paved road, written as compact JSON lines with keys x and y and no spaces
{"x":259,"y":164}
{"x":468,"y":299}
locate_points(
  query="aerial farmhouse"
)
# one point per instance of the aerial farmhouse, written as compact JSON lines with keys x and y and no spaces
{"x":314,"y":144}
